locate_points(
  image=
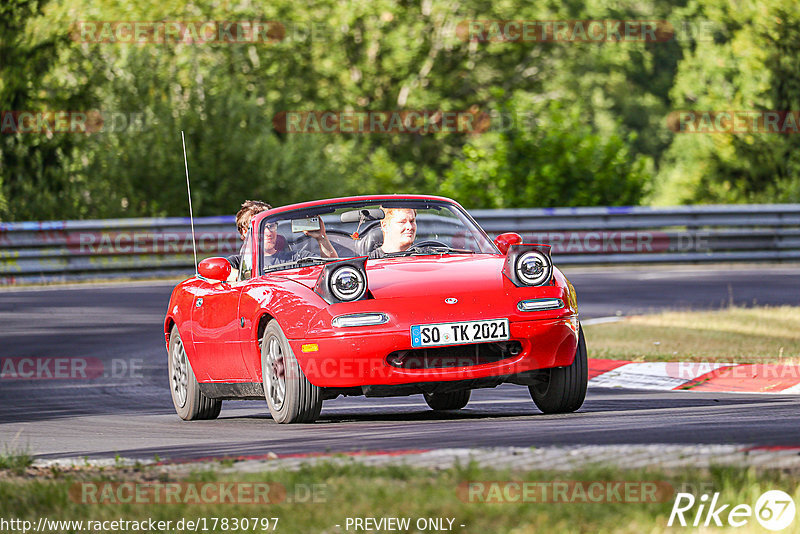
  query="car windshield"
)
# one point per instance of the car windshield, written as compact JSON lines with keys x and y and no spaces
{"x":354,"y":229}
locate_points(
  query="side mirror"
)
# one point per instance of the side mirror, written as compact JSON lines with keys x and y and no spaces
{"x":215,"y":269}
{"x":504,"y":241}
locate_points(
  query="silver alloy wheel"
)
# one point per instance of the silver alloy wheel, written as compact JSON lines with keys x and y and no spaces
{"x":180,"y":374}
{"x":276,"y":374}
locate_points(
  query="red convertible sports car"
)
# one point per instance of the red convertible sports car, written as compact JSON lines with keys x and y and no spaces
{"x":419,"y":301}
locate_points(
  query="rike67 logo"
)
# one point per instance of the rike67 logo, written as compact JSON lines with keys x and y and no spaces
{"x":774,"y":510}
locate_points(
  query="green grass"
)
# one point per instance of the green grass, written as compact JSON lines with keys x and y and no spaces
{"x":15,"y":461}
{"x":362,"y":491}
{"x":737,"y":335}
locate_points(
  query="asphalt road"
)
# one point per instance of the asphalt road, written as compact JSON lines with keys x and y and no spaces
{"x":128,"y":411}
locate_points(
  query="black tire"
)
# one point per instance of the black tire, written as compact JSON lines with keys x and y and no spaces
{"x":300,"y":401}
{"x":452,"y":400}
{"x":189,"y":401}
{"x":563,"y":389}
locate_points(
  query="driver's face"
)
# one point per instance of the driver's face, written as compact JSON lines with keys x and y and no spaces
{"x":400,"y":231}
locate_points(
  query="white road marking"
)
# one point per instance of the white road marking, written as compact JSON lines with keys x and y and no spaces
{"x":602,"y":320}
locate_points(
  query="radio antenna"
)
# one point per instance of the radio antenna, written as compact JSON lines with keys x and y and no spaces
{"x":189,"y":191}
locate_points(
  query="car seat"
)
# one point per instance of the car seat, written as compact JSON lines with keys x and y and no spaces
{"x":371,"y":239}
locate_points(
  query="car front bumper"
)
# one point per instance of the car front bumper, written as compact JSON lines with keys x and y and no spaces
{"x":360,"y":359}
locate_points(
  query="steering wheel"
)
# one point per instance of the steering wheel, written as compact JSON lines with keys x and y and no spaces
{"x":428,"y":243}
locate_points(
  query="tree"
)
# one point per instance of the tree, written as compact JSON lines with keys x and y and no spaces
{"x":38,"y":170}
{"x":751,"y":66}
{"x":561,"y":161}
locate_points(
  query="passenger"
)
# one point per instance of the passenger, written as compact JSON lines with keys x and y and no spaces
{"x":274,"y":256}
{"x":250,"y":208}
{"x":399,"y":227}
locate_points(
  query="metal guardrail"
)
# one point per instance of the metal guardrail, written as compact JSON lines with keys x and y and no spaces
{"x":739,"y":232}
{"x":52,"y":251}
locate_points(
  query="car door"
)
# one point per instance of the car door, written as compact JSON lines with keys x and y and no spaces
{"x":216,"y":334}
{"x":248,"y":307}
{"x":216,"y":330}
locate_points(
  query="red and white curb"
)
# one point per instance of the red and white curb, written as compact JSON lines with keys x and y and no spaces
{"x":705,"y":376}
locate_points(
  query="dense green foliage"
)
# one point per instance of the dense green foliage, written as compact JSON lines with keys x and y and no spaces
{"x":754,"y":64}
{"x":573,"y":123}
{"x":559,"y":162}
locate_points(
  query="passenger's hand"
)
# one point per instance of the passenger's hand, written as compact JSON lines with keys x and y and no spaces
{"x":320,"y":234}
{"x":325,"y":246}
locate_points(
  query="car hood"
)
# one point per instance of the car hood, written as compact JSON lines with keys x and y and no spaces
{"x":425,"y":276}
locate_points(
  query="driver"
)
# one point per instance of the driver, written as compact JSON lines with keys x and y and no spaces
{"x":399,"y":227}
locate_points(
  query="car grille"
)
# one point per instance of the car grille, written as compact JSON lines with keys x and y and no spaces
{"x":455,"y":356}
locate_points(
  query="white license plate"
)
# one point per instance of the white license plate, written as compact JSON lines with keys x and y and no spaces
{"x":428,"y":335}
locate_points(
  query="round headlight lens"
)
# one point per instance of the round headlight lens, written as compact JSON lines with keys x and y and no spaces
{"x":348,"y":283}
{"x":533,"y":268}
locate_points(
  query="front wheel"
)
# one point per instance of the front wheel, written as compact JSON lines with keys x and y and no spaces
{"x":290,"y":396}
{"x":563,"y":389}
{"x":189,"y":401}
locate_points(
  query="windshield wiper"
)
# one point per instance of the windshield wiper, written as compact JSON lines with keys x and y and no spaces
{"x":308,"y":260}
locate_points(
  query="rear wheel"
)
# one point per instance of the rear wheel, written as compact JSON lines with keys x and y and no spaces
{"x":290,"y":396}
{"x":189,"y":401}
{"x":452,"y":400}
{"x":563,"y":389}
